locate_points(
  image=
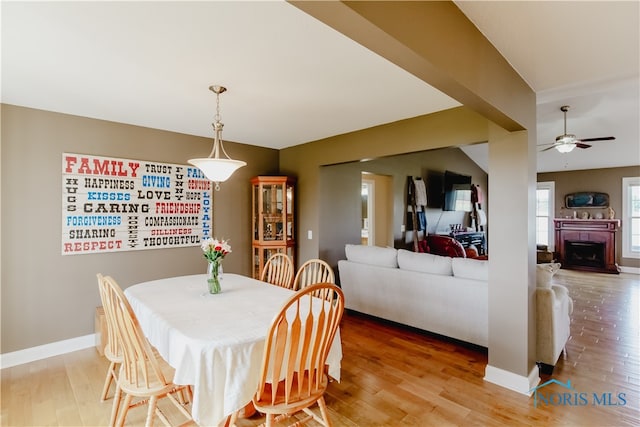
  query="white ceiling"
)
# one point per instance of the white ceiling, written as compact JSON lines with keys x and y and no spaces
{"x":291,"y":79}
{"x":585,"y":54}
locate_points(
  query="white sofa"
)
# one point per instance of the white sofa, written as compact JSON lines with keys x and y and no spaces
{"x":553,"y":316}
{"x":447,"y":296}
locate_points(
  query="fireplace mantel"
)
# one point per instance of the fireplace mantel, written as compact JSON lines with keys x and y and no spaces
{"x":576,"y":237}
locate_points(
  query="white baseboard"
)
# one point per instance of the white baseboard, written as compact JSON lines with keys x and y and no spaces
{"x":32,"y":354}
{"x":631,"y":270}
{"x":518,"y":383}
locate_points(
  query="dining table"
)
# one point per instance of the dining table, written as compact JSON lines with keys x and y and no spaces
{"x":215,"y":342}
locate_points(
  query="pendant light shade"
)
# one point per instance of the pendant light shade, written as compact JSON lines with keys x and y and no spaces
{"x":215,"y":168}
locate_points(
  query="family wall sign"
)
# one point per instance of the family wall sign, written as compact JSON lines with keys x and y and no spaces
{"x":111,"y":204}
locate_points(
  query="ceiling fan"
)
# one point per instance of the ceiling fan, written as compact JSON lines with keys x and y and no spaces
{"x":567,"y":141}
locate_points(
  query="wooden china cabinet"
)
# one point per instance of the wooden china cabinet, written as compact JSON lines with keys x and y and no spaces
{"x":272,"y":219}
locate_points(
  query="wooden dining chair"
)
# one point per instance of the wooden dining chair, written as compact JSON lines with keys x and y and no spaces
{"x":112,"y":348}
{"x":295,"y":354}
{"x":143,"y":374}
{"x":313,"y":271}
{"x":278,"y":270}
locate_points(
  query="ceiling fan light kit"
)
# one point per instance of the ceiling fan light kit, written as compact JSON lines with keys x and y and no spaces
{"x":215,"y":168}
{"x":565,"y":147}
{"x":566,"y":142}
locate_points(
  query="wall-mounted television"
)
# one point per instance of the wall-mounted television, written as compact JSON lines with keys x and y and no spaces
{"x":435,"y":189}
{"x":457,"y":192}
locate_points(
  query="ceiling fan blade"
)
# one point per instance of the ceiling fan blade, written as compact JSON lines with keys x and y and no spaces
{"x":549,"y":148}
{"x":603,"y":138}
{"x":581,"y":145}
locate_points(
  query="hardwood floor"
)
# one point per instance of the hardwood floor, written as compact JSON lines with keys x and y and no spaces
{"x":394,"y":376}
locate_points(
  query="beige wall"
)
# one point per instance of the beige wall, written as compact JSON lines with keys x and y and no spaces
{"x":47,"y":297}
{"x":512,"y":187}
{"x":606,"y":180}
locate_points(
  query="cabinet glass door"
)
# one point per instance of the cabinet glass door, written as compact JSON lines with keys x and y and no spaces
{"x":262,"y":254}
{"x":272,"y":212}
{"x":289,"y":212}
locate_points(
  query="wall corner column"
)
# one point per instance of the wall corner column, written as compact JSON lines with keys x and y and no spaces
{"x":512,"y":183}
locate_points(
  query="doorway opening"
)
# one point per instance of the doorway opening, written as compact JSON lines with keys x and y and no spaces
{"x":368,"y":193}
{"x":377,"y":210}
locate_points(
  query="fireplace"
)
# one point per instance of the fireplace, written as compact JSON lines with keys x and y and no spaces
{"x":587,"y":244}
{"x":586,"y":254}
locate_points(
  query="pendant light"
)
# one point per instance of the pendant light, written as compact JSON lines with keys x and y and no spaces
{"x":215,"y":168}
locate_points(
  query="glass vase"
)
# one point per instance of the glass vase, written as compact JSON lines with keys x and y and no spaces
{"x":213,"y":276}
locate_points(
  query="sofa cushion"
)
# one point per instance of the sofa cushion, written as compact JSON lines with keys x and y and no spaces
{"x":424,"y":263}
{"x":374,"y":255}
{"x":468,"y":268}
{"x":544,"y":273}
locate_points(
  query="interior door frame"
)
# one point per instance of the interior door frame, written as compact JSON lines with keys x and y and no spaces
{"x":371,"y":202}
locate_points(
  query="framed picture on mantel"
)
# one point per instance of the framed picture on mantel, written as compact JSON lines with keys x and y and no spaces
{"x":586,"y":200}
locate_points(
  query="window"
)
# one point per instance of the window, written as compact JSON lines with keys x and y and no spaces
{"x":631,"y":217}
{"x":462,"y":200}
{"x":545,"y":196}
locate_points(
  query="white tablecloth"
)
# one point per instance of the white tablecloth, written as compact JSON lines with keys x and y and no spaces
{"x":214,"y":342}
